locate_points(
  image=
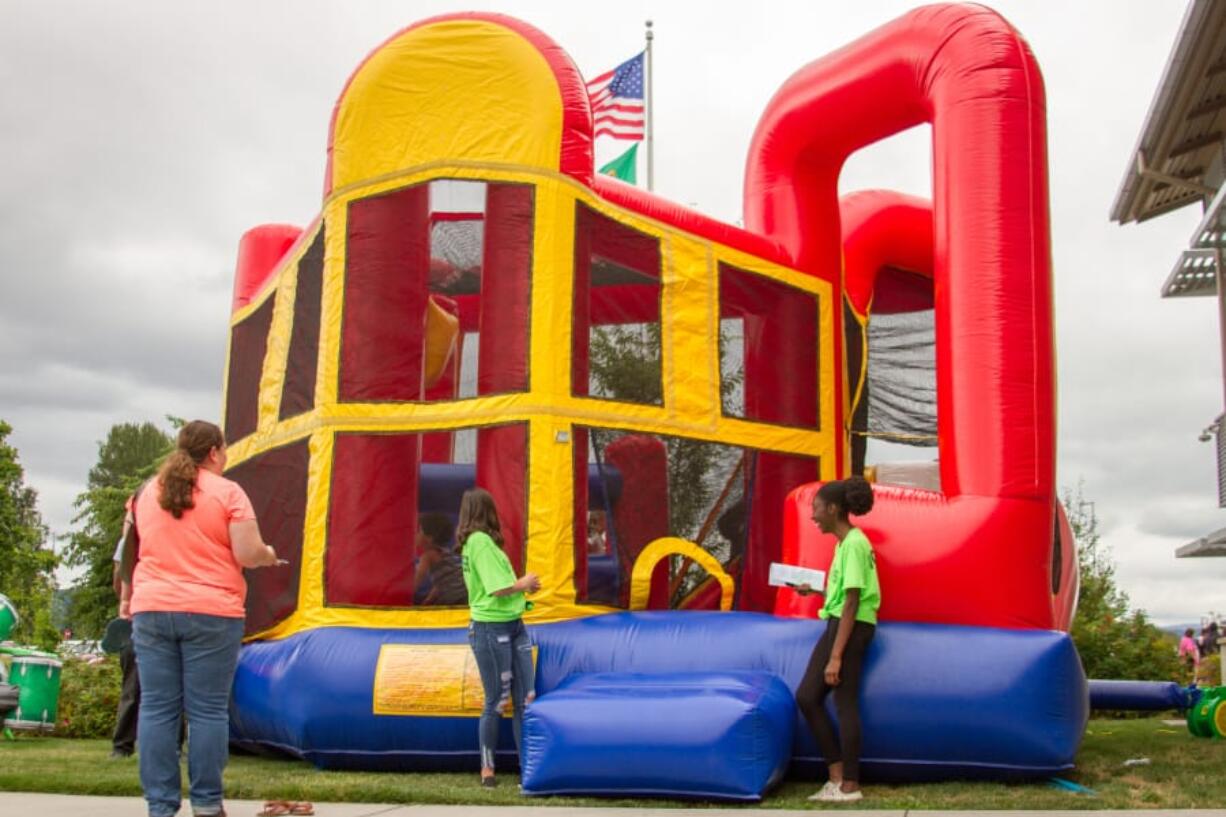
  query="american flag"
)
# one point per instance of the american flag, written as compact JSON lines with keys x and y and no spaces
{"x":617,"y":101}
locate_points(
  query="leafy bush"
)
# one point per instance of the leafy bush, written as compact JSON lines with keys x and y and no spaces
{"x":89,"y":698}
{"x":1209,"y":673}
{"x":1114,"y":641}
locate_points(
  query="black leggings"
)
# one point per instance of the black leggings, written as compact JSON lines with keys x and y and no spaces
{"x":811,"y":696}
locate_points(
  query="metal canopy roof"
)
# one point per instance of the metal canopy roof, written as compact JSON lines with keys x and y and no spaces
{"x":1212,"y":545}
{"x":1185,"y":128}
{"x":1195,"y":272}
{"x":1211,"y":232}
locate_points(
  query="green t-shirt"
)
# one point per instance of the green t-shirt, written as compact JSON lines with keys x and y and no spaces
{"x":854,"y":566}
{"x":486,"y":569}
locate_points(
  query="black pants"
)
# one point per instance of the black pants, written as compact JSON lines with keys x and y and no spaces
{"x":124,"y":739}
{"x":811,"y":697}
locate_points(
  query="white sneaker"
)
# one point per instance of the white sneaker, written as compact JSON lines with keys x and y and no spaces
{"x":825,"y":789}
{"x":835,"y":794}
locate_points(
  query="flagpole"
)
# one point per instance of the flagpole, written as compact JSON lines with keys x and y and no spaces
{"x":650,"y":114}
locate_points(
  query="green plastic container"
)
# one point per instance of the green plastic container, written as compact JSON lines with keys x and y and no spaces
{"x":1208,"y":718}
{"x":8,"y":617}
{"x":37,"y":676}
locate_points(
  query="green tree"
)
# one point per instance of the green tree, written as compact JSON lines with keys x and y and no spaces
{"x":126,"y":458}
{"x":27,"y":566}
{"x":1113,"y":641}
{"x":625,"y":365}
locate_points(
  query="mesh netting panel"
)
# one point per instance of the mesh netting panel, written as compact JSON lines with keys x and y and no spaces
{"x":901,"y":388}
{"x":455,"y":255}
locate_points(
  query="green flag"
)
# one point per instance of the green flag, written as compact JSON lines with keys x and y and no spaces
{"x":623,"y":167}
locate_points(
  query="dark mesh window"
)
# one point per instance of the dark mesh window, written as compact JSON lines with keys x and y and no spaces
{"x":901,"y":385}
{"x":248,"y":343}
{"x":276,"y":482}
{"x":298,"y":395}
{"x":616,"y":315}
{"x":426,"y":267}
{"x":391,"y":509}
{"x":768,"y":349}
{"x":633,"y":488}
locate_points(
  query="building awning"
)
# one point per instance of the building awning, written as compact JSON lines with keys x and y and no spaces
{"x":1195,"y":272}
{"x":1186,"y":124}
{"x":1212,"y":545}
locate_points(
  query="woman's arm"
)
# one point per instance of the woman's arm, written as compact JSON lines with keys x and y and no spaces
{"x":846,"y":623}
{"x":248,"y":546}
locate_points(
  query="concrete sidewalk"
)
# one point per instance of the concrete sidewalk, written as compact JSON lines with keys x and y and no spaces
{"x":63,"y":805}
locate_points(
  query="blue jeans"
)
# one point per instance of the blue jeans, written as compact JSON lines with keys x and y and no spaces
{"x":504,"y":658}
{"x":186,"y":662}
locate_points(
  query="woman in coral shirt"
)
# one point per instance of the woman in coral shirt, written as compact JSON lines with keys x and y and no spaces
{"x":197,"y":532}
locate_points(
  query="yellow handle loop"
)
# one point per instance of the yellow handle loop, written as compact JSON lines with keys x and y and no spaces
{"x":650,"y":556}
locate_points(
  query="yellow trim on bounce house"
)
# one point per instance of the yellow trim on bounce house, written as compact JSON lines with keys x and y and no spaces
{"x":472,"y":100}
{"x":650,"y":556}
{"x":691,"y":406}
{"x":486,"y":93}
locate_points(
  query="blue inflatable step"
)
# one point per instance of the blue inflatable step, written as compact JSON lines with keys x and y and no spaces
{"x":725,"y":735}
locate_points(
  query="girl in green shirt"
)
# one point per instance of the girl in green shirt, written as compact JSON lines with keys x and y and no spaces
{"x":497,"y":634}
{"x":852,"y":599}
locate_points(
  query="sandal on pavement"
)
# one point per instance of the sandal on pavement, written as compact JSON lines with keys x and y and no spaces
{"x":301,"y":807}
{"x":275,"y":808}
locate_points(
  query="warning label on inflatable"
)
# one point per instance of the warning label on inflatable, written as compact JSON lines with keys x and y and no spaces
{"x":428,"y":679}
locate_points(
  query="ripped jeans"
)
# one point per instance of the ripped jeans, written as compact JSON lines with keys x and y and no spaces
{"x":504,"y":658}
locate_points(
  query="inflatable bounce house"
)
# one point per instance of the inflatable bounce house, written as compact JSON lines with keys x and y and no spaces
{"x":652,"y":397}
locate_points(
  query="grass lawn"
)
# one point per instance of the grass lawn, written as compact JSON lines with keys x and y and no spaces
{"x":1184,"y":772}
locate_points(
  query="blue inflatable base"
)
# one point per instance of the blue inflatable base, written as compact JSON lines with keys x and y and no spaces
{"x":1139,"y":696}
{"x":938,"y":702}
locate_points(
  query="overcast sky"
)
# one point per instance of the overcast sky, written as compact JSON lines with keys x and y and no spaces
{"x":138,"y":140}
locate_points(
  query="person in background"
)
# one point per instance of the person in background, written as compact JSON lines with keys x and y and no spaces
{"x":197,"y":533}
{"x":853,"y":596}
{"x":123,"y":741}
{"x":1209,"y":638}
{"x":439,"y":578}
{"x":1189,"y":653}
{"x":499,"y":640}
{"x":597,"y":534}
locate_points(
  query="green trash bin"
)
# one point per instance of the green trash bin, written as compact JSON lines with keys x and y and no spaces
{"x":8,"y":617}
{"x":37,"y":677}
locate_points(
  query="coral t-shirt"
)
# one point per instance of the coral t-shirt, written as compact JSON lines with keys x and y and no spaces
{"x":186,"y":564}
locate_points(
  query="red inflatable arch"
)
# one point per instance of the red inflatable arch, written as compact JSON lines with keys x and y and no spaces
{"x":982,"y":550}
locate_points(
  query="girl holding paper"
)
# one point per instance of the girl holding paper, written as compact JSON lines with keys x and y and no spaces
{"x":853,"y":597}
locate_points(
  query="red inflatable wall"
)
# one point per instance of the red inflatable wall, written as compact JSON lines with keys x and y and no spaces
{"x":981,"y":550}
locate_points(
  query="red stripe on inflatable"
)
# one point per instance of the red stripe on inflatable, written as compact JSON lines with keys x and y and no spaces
{"x":502,"y":453}
{"x":881,"y":230}
{"x":372,"y":519}
{"x":964,"y":69}
{"x":387,"y":259}
{"x":982,"y":546}
{"x":259,"y":251}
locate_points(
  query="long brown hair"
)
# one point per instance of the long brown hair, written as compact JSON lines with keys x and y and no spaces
{"x":177,"y":478}
{"x":478,"y":513}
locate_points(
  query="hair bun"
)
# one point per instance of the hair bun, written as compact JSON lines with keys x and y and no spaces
{"x":859,"y":495}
